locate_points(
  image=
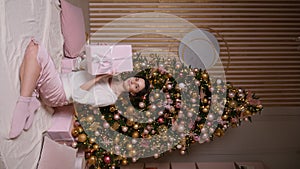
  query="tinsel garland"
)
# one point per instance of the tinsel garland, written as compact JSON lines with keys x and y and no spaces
{"x":179,"y":111}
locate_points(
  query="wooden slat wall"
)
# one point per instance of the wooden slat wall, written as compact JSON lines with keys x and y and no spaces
{"x":261,"y":34}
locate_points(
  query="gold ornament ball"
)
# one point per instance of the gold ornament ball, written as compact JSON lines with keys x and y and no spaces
{"x":248,"y":113}
{"x":92,"y":140}
{"x":124,"y":162}
{"x":135,"y":134}
{"x":129,"y":146}
{"x":132,"y":152}
{"x":219,"y":132}
{"x":92,"y":160}
{"x":117,"y":139}
{"x":90,"y":119}
{"x":205,"y":110}
{"x":82,"y":138}
{"x":80,"y":129}
{"x":225,"y":117}
{"x":135,"y":126}
{"x":148,"y":113}
{"x":75,"y":132}
{"x":232,"y":103}
{"x":156,"y":95}
{"x":95,"y":146}
{"x":204,"y":76}
{"x":205,"y":100}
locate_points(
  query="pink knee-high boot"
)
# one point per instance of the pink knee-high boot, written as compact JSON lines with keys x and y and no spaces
{"x":24,"y":109}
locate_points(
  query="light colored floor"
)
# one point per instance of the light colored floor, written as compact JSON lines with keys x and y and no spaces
{"x":272,"y":138}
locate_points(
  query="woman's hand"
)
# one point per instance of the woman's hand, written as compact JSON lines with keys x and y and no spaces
{"x":99,"y":77}
{"x":89,"y":84}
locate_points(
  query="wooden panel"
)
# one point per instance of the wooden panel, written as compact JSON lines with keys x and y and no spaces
{"x":263,"y":37}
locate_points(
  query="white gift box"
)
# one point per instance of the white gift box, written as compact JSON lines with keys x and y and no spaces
{"x":106,"y":59}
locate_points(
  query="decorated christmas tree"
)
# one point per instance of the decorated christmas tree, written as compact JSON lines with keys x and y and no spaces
{"x":185,"y":106}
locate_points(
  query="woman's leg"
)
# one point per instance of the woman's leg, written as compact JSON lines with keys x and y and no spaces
{"x":29,"y":70}
{"x":27,"y":104}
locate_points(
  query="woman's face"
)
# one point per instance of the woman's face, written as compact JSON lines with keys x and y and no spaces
{"x":134,"y":84}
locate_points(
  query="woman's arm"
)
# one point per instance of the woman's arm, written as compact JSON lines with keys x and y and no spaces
{"x":89,"y":84}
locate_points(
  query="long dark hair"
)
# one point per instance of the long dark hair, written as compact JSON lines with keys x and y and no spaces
{"x":143,"y":95}
{"x":145,"y":89}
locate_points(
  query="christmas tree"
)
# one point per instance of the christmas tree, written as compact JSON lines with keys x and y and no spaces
{"x":185,"y":106}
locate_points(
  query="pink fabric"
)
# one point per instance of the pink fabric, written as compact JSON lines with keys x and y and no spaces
{"x":55,"y":156}
{"x":73,"y":29}
{"x":49,"y":85}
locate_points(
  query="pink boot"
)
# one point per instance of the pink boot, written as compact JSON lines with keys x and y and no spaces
{"x":22,"y":112}
{"x":33,"y":106}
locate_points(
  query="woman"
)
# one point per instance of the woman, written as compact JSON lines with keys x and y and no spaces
{"x":38,"y":77}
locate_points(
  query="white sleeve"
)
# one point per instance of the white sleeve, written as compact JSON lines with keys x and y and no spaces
{"x":95,"y":97}
{"x":83,"y":96}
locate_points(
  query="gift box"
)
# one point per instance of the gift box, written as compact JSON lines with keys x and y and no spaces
{"x":62,"y":124}
{"x":106,"y":59}
{"x":67,"y":65}
{"x":56,"y":156}
{"x":72,"y":64}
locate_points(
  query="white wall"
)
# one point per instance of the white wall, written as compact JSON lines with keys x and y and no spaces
{"x":273,"y":138}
